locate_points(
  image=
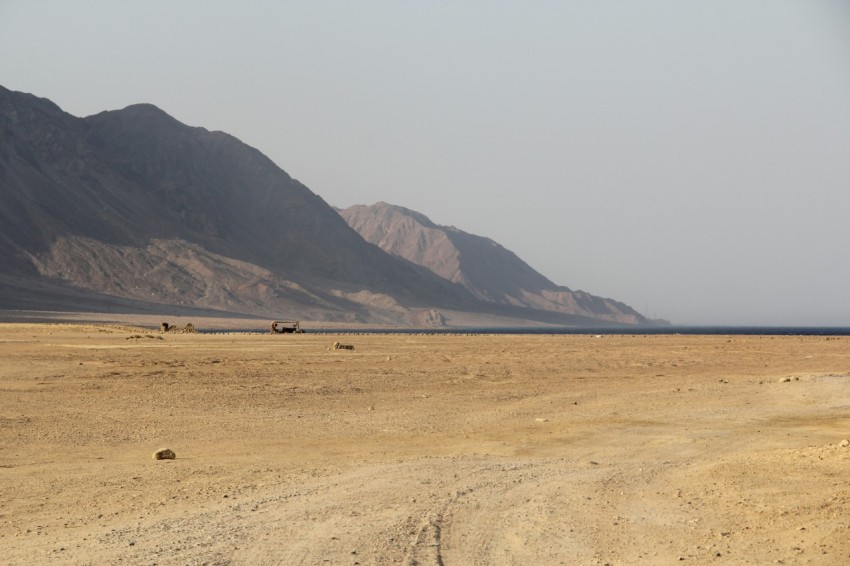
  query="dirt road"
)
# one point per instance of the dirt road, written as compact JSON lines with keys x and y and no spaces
{"x":418,"y":449}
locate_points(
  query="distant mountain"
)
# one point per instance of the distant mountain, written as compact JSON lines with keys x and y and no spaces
{"x":131,"y":209}
{"x":486,"y":269}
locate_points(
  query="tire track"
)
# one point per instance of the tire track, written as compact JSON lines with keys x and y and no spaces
{"x":426,"y":546}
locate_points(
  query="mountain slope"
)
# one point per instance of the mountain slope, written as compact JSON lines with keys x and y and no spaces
{"x":84,"y":198}
{"x":488,"y":270}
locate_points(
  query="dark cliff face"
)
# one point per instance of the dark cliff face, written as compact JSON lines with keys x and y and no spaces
{"x":486,"y":269}
{"x":41,"y":151}
{"x":212,"y":189}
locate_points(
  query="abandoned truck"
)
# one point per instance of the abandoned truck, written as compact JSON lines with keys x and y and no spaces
{"x":286,"y":327}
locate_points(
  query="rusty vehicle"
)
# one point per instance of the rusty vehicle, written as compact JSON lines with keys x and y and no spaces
{"x":286,"y":327}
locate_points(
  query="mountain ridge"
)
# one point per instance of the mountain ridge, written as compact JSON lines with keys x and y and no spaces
{"x":136,"y":205}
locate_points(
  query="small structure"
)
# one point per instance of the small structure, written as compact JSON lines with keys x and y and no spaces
{"x":286,"y":327}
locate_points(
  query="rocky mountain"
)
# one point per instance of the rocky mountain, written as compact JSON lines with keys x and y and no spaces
{"x":483,"y":267}
{"x":134,"y":204}
{"x":133,"y":209}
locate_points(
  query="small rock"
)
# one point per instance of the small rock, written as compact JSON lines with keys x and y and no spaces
{"x":541,"y":420}
{"x":844,"y":443}
{"x":164,"y":454}
{"x":785,"y":380}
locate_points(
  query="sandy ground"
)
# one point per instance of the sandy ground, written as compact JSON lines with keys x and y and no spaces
{"x":417,"y":449}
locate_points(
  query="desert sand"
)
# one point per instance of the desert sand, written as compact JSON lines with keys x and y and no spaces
{"x":421,"y":449}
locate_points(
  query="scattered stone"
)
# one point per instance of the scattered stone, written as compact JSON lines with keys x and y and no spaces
{"x":164,"y":454}
{"x":844,"y":443}
{"x":338,"y":346}
{"x":785,"y":380}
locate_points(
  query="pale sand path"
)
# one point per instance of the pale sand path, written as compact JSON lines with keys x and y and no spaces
{"x":455,"y":450}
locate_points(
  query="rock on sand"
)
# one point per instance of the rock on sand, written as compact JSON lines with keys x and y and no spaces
{"x":164,"y":454}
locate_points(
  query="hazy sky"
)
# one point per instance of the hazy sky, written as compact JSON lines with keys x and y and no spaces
{"x":690,"y":158}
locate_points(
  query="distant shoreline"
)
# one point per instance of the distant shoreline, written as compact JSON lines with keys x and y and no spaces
{"x":244,"y":324}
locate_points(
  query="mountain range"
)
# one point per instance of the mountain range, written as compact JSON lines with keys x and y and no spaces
{"x":133,"y":210}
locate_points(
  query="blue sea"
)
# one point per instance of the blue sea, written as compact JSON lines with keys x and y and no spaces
{"x":641,"y":330}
